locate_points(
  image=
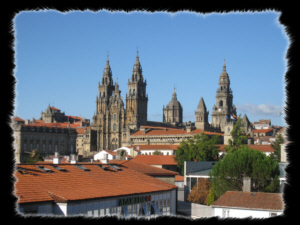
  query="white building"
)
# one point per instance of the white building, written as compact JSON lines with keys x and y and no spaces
{"x":91,"y":189}
{"x":248,"y":204}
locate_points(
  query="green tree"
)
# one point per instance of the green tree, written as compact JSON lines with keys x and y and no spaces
{"x":211,"y":198}
{"x":199,"y":148}
{"x":239,"y":137}
{"x":34,"y":157}
{"x":277,"y":148}
{"x":228,"y":173}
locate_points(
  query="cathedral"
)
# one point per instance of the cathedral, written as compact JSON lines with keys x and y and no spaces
{"x":115,"y":123}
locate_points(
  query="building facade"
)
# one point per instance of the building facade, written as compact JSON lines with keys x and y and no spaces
{"x":52,"y":132}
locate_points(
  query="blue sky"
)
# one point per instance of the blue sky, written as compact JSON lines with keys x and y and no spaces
{"x":60,"y":58}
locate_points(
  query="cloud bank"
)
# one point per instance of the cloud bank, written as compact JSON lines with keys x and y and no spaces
{"x":260,"y":110}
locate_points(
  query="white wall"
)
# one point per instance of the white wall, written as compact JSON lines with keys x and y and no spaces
{"x":243,"y":213}
{"x":101,"y":155}
{"x":150,"y":152}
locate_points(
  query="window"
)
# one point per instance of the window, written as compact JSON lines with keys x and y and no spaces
{"x":115,"y":116}
{"x":225,"y":213}
{"x":221,"y":103}
{"x":115,"y":127}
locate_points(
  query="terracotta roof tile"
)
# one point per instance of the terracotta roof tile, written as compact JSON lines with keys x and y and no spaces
{"x":170,"y":131}
{"x":15,"y":118}
{"x":261,"y":148}
{"x":144,"y":168}
{"x":250,"y":200}
{"x":35,"y":185}
{"x":179,"y":178}
{"x":155,"y":159}
{"x":263,"y":130}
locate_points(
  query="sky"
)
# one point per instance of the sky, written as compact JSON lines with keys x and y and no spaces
{"x":60,"y":58}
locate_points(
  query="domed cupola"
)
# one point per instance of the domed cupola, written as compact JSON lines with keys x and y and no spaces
{"x":174,"y":102}
{"x":173,"y":111}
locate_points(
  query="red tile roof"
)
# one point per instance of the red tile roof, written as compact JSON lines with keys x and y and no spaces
{"x":261,"y":148}
{"x":179,"y":178}
{"x":144,"y":168}
{"x":15,"y":118}
{"x":34,"y":185}
{"x":170,"y":131}
{"x":41,"y":123}
{"x":80,"y":130}
{"x":263,"y":130}
{"x":250,"y":200}
{"x":155,"y":159}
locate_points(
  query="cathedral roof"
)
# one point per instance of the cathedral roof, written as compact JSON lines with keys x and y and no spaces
{"x":201,"y":106}
{"x":174,"y":102}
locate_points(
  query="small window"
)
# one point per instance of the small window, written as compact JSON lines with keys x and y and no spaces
{"x":115,"y":127}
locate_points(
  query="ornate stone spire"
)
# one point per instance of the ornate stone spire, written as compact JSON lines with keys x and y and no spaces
{"x":137,"y":70}
{"x":174,"y":95}
{"x":107,"y":74}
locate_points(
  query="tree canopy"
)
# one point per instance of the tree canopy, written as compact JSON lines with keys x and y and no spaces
{"x":228,"y":173}
{"x":199,"y":148}
{"x":34,"y":157}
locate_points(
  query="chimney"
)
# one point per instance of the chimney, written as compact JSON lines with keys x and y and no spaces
{"x":56,"y":159}
{"x":246,"y":184}
{"x":73,"y":159}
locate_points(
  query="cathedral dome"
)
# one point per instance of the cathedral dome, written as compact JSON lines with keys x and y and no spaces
{"x":174,"y":102}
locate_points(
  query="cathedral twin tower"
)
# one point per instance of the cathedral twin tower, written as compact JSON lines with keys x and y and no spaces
{"x":113,"y":123}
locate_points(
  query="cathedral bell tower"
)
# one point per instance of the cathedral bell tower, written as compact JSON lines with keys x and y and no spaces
{"x":223,"y":109}
{"x":136,"y":99}
{"x":108,"y":121}
{"x":201,"y":116}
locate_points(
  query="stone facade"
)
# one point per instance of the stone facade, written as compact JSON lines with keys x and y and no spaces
{"x":47,"y":140}
{"x":113,"y":123}
{"x":52,"y":132}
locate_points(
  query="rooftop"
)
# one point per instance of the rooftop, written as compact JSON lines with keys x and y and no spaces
{"x":155,"y":159}
{"x":152,"y":130}
{"x":67,"y":182}
{"x":250,"y":200}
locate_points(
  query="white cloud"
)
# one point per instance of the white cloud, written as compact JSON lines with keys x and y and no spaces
{"x":262,"y":109}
